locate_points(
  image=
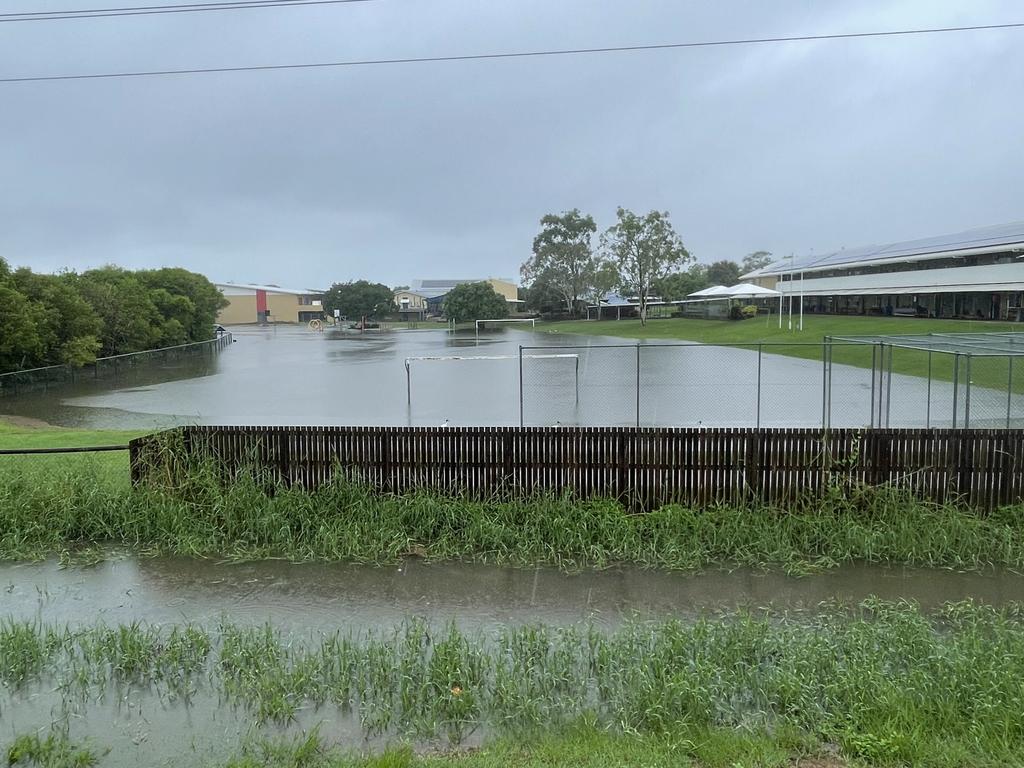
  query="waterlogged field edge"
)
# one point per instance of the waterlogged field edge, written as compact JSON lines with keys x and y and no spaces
{"x":879,"y":682}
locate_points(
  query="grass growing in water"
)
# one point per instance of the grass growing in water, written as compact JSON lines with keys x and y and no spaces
{"x":56,"y":750}
{"x":883,"y":683}
{"x":346,"y":521}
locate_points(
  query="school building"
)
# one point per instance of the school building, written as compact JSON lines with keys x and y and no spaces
{"x":976,"y":274}
{"x":248,"y":303}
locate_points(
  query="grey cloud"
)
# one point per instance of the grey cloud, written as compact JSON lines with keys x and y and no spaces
{"x":396,"y":172}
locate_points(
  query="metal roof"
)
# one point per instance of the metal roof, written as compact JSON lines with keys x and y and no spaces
{"x":1001,"y":237}
{"x":1010,"y":344}
{"x":272,"y":288}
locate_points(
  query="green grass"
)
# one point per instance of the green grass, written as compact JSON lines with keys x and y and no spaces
{"x":56,"y":750}
{"x":582,"y":746}
{"x":991,"y":372}
{"x":108,"y":467}
{"x":880,"y":682}
{"x":346,"y":521}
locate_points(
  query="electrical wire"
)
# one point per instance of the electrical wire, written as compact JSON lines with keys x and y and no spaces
{"x":515,"y":54}
{"x":152,"y":10}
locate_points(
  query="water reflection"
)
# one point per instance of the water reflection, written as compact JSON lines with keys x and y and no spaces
{"x":328,"y":596}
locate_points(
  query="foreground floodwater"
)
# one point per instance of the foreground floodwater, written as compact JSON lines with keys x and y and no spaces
{"x":317,"y":597}
{"x":292,"y":376}
{"x":159,"y":723}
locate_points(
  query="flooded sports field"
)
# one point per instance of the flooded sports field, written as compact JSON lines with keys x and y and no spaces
{"x":286,"y":375}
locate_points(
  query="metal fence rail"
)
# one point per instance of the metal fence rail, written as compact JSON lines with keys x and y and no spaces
{"x":643,"y":467}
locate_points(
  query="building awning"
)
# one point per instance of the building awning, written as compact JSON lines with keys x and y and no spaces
{"x":906,"y":290}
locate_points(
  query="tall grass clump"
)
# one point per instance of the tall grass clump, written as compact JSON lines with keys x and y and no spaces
{"x":203,"y":513}
{"x":55,"y":750}
{"x":884,"y":682}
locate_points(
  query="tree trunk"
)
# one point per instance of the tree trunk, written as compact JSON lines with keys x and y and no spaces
{"x":643,"y":310}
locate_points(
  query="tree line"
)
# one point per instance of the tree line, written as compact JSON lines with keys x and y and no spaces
{"x":73,"y":318}
{"x":464,"y":303}
{"x":640,"y":256}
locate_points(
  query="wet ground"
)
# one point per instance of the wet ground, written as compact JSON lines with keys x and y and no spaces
{"x":292,"y":376}
{"x":151,"y":725}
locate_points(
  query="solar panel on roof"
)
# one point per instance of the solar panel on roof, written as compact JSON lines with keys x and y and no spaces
{"x":1001,"y":234}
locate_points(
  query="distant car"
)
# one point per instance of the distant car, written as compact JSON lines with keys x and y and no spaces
{"x":219,"y":330}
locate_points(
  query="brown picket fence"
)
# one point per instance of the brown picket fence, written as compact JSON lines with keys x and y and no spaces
{"x":644,"y":467}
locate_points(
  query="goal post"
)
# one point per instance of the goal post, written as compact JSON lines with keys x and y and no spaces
{"x":448,"y":358}
{"x":531,"y":320}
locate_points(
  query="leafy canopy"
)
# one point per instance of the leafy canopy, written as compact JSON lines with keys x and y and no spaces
{"x":756,"y":260}
{"x":359,"y":298}
{"x":71,"y":319}
{"x":644,"y":250}
{"x":723,"y":272}
{"x":563,"y":261}
{"x":474,"y":301}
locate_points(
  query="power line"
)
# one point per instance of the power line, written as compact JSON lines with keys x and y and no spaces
{"x":151,"y":10}
{"x":515,"y":54}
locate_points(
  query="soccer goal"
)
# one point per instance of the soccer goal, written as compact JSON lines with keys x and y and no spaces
{"x":531,"y":320}
{"x":466,"y":358}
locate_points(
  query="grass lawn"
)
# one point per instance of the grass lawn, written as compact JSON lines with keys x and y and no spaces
{"x":26,"y":434}
{"x":991,"y":372}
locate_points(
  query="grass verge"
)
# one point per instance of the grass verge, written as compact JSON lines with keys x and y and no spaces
{"x":346,"y":521}
{"x":23,"y":434}
{"x":880,"y":683}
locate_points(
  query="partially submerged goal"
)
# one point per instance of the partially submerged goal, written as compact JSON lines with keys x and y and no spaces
{"x":465,"y":358}
{"x":531,"y":320}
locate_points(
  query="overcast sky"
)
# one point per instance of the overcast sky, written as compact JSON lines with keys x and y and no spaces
{"x":442,"y":170}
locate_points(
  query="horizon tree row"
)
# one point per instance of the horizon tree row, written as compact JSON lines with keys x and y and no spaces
{"x":639,"y":255}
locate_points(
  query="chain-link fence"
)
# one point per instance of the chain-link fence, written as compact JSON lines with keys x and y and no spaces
{"x":35,"y":379}
{"x":832,"y":384}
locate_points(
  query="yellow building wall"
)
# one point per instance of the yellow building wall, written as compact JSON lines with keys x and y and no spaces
{"x":765,"y":282}
{"x":415,"y":300}
{"x":509,"y":290}
{"x":240,"y":309}
{"x":283,"y":308}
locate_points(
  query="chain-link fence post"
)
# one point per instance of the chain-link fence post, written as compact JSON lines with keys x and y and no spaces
{"x":824,"y":382}
{"x":928,"y":404}
{"x":874,"y":362}
{"x":956,"y":386}
{"x":638,"y":384}
{"x":521,"y":385}
{"x":760,"y":354}
{"x":888,"y":388}
{"x":1009,"y":389}
{"x":967,"y":396}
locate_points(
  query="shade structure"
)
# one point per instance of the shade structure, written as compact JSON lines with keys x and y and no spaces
{"x":719,"y":291}
{"x":750,"y":291}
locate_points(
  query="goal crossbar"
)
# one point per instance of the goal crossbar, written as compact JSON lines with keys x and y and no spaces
{"x":531,"y":320}
{"x":427,"y":358}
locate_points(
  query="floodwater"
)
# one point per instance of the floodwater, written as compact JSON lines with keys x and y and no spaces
{"x":150,"y":725}
{"x":323,"y":597}
{"x":292,"y":376}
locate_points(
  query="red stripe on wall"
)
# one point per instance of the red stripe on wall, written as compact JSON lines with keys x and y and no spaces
{"x":261,"y":301}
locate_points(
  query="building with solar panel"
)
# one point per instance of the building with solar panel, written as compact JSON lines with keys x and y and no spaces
{"x":976,"y":274}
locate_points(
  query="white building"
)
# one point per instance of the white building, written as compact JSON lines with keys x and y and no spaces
{"x":974,"y":274}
